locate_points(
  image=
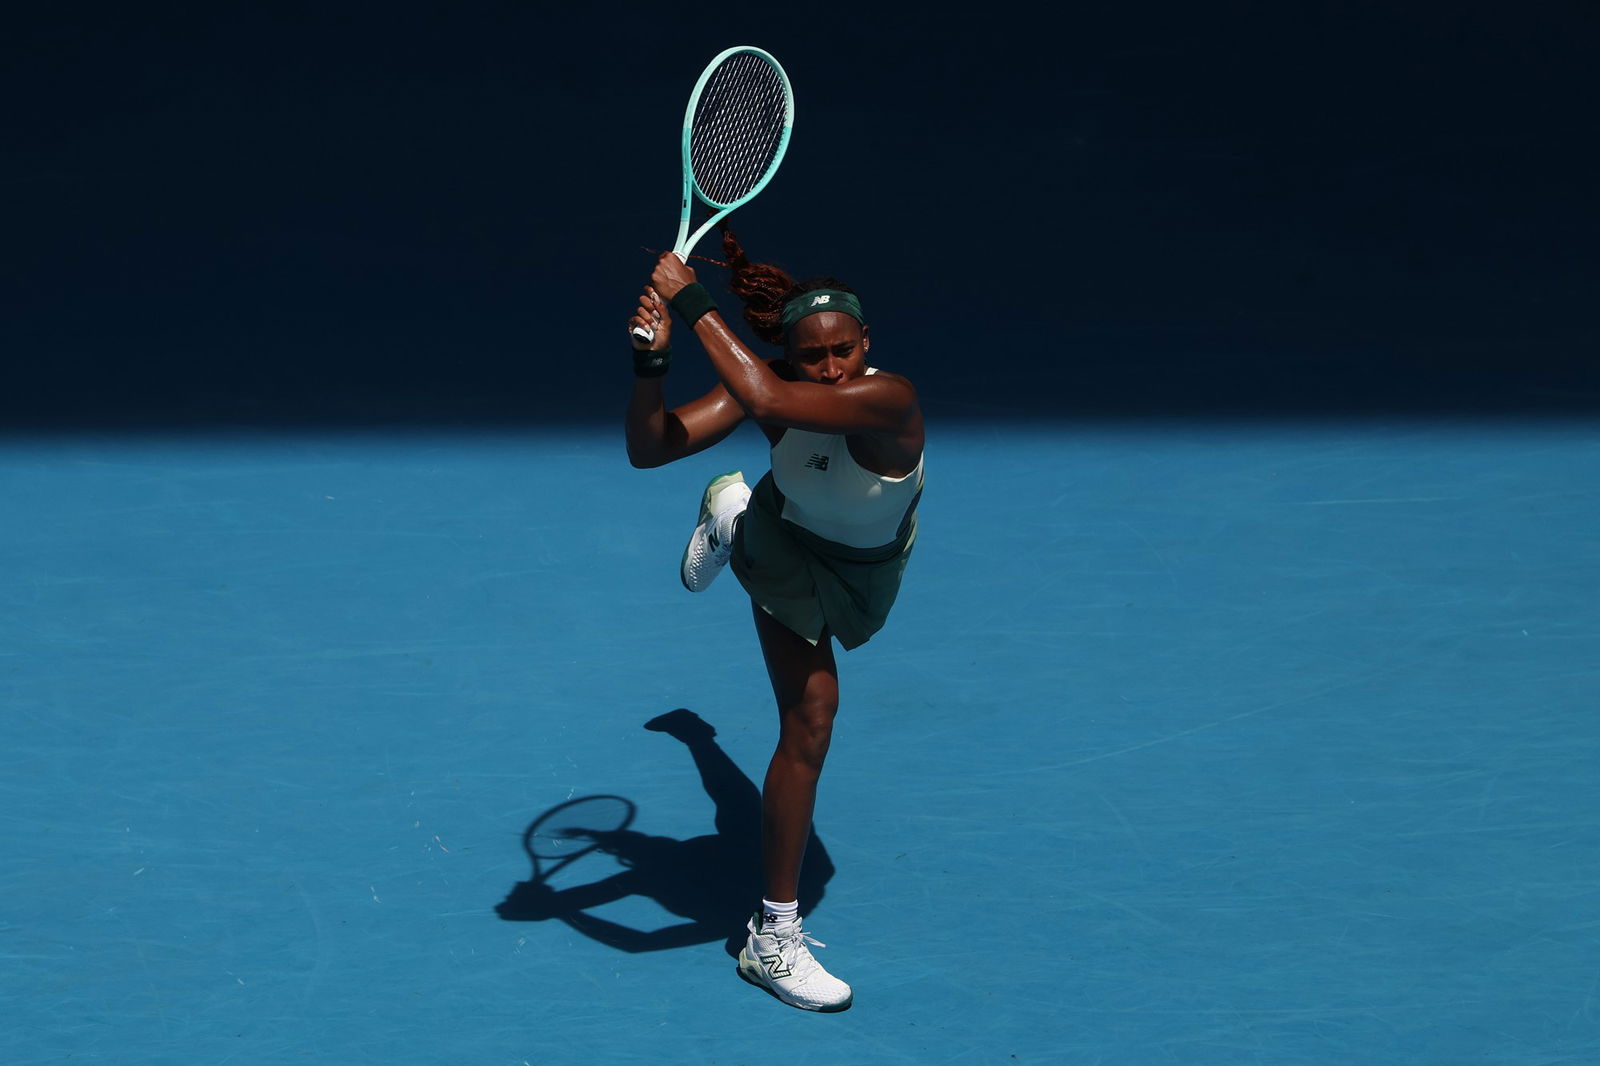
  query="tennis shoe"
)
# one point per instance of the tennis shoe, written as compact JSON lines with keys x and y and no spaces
{"x":725,"y":499}
{"x":777,"y":958}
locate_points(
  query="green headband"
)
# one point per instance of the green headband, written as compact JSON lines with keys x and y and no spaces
{"x":809,"y":303}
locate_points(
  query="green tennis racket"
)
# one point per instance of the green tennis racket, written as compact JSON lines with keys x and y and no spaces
{"x":735,"y":131}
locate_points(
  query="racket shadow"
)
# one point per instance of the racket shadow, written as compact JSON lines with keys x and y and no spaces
{"x":713,"y":881}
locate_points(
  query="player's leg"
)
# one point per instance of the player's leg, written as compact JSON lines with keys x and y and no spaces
{"x":724,"y":500}
{"x":805,"y":682}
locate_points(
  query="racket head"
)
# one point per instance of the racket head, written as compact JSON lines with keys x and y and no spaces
{"x":736,"y":128}
{"x":569,"y":830}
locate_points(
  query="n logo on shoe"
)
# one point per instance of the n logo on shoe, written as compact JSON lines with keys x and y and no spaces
{"x":817,"y":462}
{"x":775,"y":966}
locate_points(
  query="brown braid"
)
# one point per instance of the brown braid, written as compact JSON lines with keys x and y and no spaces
{"x":765,"y":288}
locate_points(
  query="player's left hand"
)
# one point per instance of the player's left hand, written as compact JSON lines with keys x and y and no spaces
{"x":651,"y":314}
{"x":670,"y":275}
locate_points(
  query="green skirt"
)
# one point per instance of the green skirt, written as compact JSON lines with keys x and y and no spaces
{"x":811,"y":584}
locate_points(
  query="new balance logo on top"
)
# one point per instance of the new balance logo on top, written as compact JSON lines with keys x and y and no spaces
{"x":818,"y":462}
{"x":815,"y":300}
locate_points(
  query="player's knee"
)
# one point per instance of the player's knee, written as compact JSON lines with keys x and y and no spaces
{"x":808,"y":728}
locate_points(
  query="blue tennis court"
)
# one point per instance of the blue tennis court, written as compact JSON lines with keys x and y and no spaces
{"x":1205,"y":742}
{"x":1242,"y":701}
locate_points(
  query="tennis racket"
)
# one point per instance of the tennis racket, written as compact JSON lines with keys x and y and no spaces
{"x":735,"y":131}
{"x":572,"y":830}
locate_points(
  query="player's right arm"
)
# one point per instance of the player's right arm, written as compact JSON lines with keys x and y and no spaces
{"x":656,"y":435}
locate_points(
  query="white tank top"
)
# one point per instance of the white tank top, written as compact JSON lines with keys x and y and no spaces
{"x":828,"y":492}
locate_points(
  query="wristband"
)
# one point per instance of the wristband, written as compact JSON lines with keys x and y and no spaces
{"x":691,"y":302}
{"x":648,"y":364}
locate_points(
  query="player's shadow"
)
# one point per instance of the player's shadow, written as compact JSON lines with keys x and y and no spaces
{"x":712,"y":881}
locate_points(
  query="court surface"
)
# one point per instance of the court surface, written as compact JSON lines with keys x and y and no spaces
{"x":1188,"y":743}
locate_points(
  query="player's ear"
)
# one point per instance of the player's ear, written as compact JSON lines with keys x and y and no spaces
{"x":866,"y":341}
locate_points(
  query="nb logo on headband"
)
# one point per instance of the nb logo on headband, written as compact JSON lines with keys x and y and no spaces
{"x":815,"y":300}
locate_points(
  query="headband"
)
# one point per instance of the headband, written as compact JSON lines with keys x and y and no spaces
{"x":809,"y":303}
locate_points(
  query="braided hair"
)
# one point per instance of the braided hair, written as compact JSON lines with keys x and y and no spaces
{"x":765,"y":289}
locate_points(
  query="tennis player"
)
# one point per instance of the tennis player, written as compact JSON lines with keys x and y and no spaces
{"x":819,"y":544}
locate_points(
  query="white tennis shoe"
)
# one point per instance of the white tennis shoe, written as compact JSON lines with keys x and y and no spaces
{"x":724,"y":501}
{"x":776,"y":958}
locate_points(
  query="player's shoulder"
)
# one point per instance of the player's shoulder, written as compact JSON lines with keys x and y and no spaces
{"x":888,"y":379}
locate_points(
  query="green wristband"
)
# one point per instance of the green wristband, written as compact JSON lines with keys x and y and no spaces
{"x":648,"y":364}
{"x":692,"y":302}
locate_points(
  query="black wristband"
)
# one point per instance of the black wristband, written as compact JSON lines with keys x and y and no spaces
{"x":691,"y":302}
{"x":648,"y":364}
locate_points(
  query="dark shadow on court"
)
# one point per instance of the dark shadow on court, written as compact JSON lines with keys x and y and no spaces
{"x":711,"y":881}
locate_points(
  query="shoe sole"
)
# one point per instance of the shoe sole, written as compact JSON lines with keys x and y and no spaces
{"x":714,"y":486}
{"x":833,"y":1008}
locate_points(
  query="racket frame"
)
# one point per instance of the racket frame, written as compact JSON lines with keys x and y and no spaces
{"x":691,"y":187}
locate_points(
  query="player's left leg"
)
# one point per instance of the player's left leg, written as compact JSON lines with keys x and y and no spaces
{"x":805,"y":682}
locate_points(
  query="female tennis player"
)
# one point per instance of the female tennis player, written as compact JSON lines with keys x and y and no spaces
{"x":819,"y":544}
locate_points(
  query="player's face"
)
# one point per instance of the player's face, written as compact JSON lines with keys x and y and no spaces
{"x":828,"y":348}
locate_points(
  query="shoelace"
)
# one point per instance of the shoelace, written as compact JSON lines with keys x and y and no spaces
{"x":786,"y":948}
{"x":720,"y":541}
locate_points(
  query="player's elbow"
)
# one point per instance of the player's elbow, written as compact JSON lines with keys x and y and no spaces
{"x":645,"y":453}
{"x":762,"y":405}
{"x":645,"y":460}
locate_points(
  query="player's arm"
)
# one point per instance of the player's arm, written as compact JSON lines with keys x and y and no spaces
{"x":876,"y":403}
{"x":655,"y":434}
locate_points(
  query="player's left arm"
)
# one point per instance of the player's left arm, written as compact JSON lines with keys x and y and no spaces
{"x":874,"y":403}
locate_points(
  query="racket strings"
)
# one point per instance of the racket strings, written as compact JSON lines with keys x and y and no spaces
{"x":738,"y":128}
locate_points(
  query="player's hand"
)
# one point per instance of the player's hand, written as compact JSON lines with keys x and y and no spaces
{"x":651,"y":314}
{"x":670,"y":275}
